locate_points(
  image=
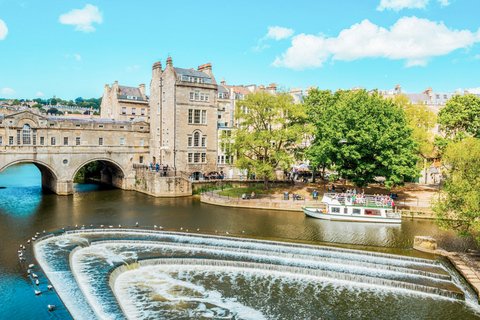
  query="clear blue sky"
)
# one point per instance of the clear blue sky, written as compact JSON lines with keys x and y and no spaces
{"x":73,"y":48}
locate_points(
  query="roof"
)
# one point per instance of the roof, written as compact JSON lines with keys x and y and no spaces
{"x":95,"y":120}
{"x":417,"y":97}
{"x":129,"y":91}
{"x":222,"y":89}
{"x":191,"y":73}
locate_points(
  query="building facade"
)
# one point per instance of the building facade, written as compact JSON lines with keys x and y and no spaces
{"x":183,"y":118}
{"x":124,"y":103}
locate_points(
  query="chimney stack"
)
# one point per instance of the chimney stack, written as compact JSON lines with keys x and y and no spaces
{"x":169,"y":62}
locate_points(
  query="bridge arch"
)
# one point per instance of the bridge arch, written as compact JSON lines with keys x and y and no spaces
{"x":113,"y":173}
{"x":50,"y":176}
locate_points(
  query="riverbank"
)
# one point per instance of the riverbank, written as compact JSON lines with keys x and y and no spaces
{"x":276,"y":201}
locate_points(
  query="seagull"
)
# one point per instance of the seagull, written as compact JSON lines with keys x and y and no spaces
{"x":110,"y":226}
{"x":198,"y":230}
{"x":216,"y":231}
{"x":76,"y":226}
{"x":186,"y":230}
{"x":44,"y":231}
{"x":33,"y":238}
{"x":227,"y":232}
{"x":51,"y":307}
{"x":161,"y":228}
{"x":101,"y":226}
{"x":119,"y":225}
{"x":29,"y":271}
{"x":243,"y":231}
{"x":91,"y":226}
{"x":50,"y":287}
{"x":31,"y":265}
{"x":37,"y":292}
{"x":34,"y":275}
{"x":37,"y":282}
{"x":181,"y":228}
{"x":136,"y":224}
{"x":154,"y":226}
{"x":28,"y":241}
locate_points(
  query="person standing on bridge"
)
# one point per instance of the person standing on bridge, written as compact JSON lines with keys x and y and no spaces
{"x":157,"y":167}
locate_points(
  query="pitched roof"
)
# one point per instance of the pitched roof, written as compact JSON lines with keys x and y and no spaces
{"x":129,"y":91}
{"x":191,"y":73}
{"x":221,"y":89}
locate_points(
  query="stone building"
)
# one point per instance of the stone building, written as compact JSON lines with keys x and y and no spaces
{"x":183,"y":118}
{"x":124,"y":103}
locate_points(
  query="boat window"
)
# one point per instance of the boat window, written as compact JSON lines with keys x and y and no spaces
{"x":335,"y":210}
{"x":356,"y":211}
{"x":373,"y":212}
{"x":345,"y":210}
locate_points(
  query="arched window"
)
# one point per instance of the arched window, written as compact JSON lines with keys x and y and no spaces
{"x":26,"y":134}
{"x":196,"y":139}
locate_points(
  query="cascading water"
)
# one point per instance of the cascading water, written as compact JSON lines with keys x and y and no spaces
{"x":159,"y":274}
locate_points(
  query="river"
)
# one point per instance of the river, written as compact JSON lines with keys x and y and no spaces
{"x":24,"y":210}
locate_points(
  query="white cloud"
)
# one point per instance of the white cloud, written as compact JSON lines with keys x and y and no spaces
{"x":39,"y":94}
{"x":398,"y":5}
{"x":78,"y":57}
{"x":3,"y":30}
{"x":477,"y":57}
{"x":7,"y":91}
{"x":416,"y":40}
{"x":474,"y":90}
{"x":279,"y":33}
{"x":82,"y":19}
{"x":132,"y":68}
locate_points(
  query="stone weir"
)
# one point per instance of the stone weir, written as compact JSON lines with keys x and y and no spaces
{"x":467,"y":264}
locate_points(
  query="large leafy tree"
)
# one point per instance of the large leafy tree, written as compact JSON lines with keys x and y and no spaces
{"x":461,"y":115}
{"x":320,"y":108}
{"x":421,"y":121}
{"x":366,"y":136}
{"x":270,"y":128}
{"x":457,"y":205}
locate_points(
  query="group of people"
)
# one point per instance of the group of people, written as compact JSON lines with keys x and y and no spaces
{"x":252,"y":196}
{"x":157,"y":167}
{"x":352,"y":196}
{"x":214,"y":175}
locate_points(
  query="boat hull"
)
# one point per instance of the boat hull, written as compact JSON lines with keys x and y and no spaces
{"x":312,"y":212}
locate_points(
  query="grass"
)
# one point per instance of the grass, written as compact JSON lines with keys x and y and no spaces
{"x":202,"y":190}
{"x":237,"y":192}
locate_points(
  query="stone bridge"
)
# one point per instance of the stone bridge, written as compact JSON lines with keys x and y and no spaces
{"x":60,"y":146}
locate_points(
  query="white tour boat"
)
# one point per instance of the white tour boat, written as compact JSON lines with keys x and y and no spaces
{"x":348,"y":207}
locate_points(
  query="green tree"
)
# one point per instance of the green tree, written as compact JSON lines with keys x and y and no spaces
{"x":16,"y":102}
{"x":37,"y":105}
{"x":270,"y":127}
{"x":320,"y":107}
{"x":457,"y":205}
{"x":52,"y":110}
{"x":369,"y":137}
{"x":460,"y":114}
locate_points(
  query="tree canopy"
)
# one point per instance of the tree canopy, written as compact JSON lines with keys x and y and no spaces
{"x":363,"y":135}
{"x":457,"y":205}
{"x":460,"y":115}
{"x":270,"y":128}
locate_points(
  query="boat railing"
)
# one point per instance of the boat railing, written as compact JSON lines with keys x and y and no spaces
{"x":361,"y":201}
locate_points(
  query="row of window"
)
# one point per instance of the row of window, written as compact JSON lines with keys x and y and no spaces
{"x":134,"y":111}
{"x":194,"y":141}
{"x":194,"y":79}
{"x":28,"y":140}
{"x":224,"y":159}
{"x":196,"y":95}
{"x":197,"y":116}
{"x":197,"y":157}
